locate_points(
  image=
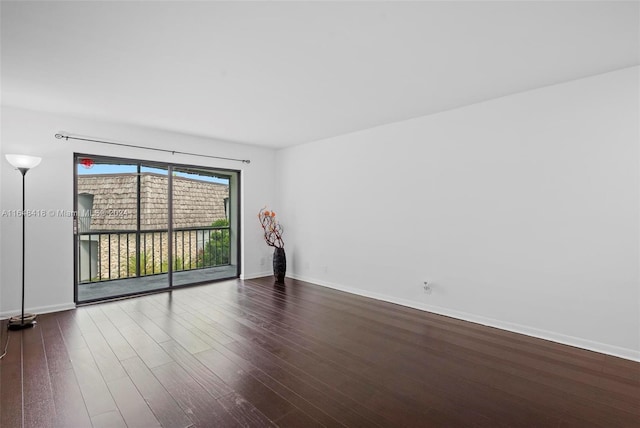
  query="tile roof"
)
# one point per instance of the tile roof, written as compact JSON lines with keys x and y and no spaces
{"x":196,"y":203}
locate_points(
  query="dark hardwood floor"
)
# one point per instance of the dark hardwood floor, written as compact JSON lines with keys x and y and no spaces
{"x":251,"y":354}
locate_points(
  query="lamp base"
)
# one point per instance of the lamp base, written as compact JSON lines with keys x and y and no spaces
{"x":20,"y":322}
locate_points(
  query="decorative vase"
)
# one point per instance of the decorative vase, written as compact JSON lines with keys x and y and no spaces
{"x":279,"y":264}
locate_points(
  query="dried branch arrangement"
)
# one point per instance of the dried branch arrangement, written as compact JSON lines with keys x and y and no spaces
{"x":272,"y":229}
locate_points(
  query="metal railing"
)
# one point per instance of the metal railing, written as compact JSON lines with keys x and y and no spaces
{"x":109,"y":255}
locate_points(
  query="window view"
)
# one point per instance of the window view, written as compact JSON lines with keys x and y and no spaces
{"x":143,"y":227}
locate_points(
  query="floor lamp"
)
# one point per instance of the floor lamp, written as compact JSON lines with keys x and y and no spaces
{"x":22,"y":163}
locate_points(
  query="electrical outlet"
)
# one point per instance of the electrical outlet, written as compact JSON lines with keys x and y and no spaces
{"x":426,"y":287}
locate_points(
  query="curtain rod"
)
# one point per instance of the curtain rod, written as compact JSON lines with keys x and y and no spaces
{"x":66,"y":137}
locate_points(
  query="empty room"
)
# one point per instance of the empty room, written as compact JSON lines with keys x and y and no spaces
{"x":320,"y":214}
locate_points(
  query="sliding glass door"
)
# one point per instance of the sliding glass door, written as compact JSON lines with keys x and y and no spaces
{"x":142,"y":226}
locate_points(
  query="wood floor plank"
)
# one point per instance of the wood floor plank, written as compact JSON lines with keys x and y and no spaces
{"x":351,"y":384}
{"x":55,"y":349}
{"x":40,"y":414}
{"x":314,"y":367}
{"x":95,"y":393}
{"x":71,"y":334}
{"x":244,"y":412}
{"x":35,"y":369}
{"x":296,"y":393}
{"x":241,"y":409}
{"x":149,"y":327}
{"x":39,"y":409}
{"x":415,"y":327}
{"x":104,"y":358}
{"x":378,"y":345}
{"x":69,"y":402}
{"x":147,"y":349}
{"x":177,"y":332}
{"x":131,"y":405}
{"x":209,"y":333}
{"x":202,"y":374}
{"x":376,"y":313}
{"x":201,"y":407}
{"x":118,"y":344}
{"x":165,"y":408}
{"x":10,"y":394}
{"x":11,"y":378}
{"x":265,"y":399}
{"x":310,"y":338}
{"x":111,"y":419}
{"x":252,"y":354}
{"x":390,"y":339}
{"x":346,"y":409}
{"x":297,"y":419}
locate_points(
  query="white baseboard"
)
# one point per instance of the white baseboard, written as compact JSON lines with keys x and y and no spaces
{"x":629,"y":354}
{"x":39,"y":310}
{"x":256,"y":275}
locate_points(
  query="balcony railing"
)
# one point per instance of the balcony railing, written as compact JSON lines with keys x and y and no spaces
{"x":109,"y":255}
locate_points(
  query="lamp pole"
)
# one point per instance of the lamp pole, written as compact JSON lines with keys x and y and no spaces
{"x":23,"y":171}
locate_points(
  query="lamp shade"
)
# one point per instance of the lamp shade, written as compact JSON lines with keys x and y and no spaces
{"x":23,"y":161}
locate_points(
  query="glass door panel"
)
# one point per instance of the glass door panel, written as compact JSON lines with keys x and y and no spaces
{"x":105,"y":226}
{"x":203,"y":221}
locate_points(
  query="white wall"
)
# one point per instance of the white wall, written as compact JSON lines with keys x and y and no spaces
{"x":49,"y":278}
{"x":523,"y":212}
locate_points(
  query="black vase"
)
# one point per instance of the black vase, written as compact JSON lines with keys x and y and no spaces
{"x":279,"y":264}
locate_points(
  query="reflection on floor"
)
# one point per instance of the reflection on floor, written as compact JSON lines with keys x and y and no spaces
{"x":119,"y":287}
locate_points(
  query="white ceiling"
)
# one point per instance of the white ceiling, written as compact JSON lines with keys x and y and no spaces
{"x":284,"y":73}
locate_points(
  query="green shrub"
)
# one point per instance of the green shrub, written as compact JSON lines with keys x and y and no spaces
{"x":216,"y":251}
{"x":148,"y":267}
